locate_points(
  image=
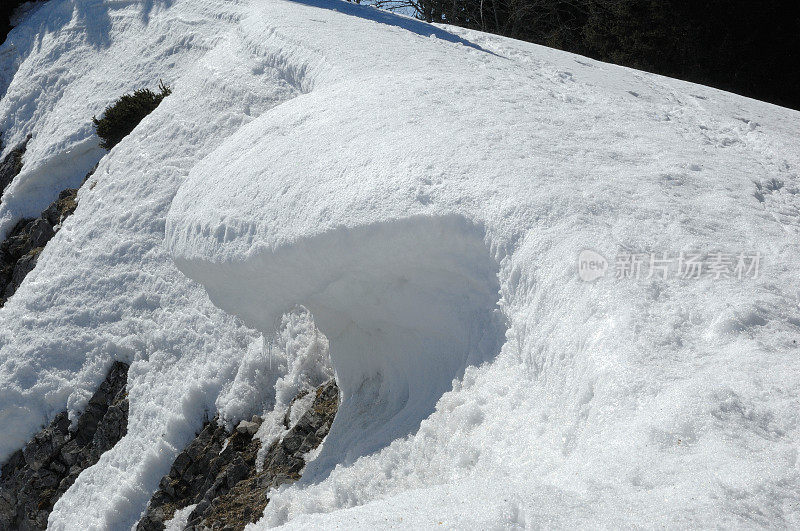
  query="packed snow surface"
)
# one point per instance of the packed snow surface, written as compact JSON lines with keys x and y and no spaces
{"x":424,"y":192}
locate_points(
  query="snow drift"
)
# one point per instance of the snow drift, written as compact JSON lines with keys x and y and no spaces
{"x":425,"y":192}
{"x":407,"y":305}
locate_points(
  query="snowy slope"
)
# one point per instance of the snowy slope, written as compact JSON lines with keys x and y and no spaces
{"x":104,"y":288}
{"x":425,"y":192}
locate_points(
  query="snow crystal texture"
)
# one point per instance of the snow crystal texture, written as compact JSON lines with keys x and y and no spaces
{"x":424,"y":192}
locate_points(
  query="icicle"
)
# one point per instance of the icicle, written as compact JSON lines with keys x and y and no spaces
{"x":264,"y":350}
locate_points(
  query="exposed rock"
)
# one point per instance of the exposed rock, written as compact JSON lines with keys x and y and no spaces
{"x":247,"y":427}
{"x":201,"y":472}
{"x":36,"y":476}
{"x":224,"y":484}
{"x":21,"y":269}
{"x":12,"y":165}
{"x":23,"y":244}
{"x":38,"y":233}
{"x":20,"y":250}
{"x":63,"y":207}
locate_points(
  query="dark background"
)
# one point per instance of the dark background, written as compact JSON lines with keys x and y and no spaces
{"x":7,"y":7}
{"x":748,"y":47}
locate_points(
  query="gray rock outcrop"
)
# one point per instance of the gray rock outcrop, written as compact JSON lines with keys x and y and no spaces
{"x":21,"y":248}
{"x":11,"y":164}
{"x":224,"y":484}
{"x":36,"y":476}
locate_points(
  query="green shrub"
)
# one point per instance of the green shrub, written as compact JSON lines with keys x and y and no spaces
{"x":122,"y":116}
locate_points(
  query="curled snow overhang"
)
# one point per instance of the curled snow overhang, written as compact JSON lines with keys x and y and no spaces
{"x":405,"y":289}
{"x":406,"y":305}
{"x":382,"y":197}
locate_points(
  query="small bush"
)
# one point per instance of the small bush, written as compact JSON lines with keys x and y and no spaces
{"x":122,"y":116}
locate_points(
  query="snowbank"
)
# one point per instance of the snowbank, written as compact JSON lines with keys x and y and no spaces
{"x":104,"y":288}
{"x":394,"y":200}
{"x":407,"y":305}
{"x":425,"y":192}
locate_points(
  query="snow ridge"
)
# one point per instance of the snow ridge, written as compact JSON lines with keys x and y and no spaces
{"x":425,"y":192}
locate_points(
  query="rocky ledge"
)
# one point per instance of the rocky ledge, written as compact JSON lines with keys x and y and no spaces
{"x":23,"y":244}
{"x":35,"y":477}
{"x":218,"y":474}
{"x":20,"y":250}
{"x":11,"y":165}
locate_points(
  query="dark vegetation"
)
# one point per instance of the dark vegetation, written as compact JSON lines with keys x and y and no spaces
{"x":748,"y":47}
{"x":7,"y":8}
{"x":20,"y":251}
{"x":122,"y":116}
